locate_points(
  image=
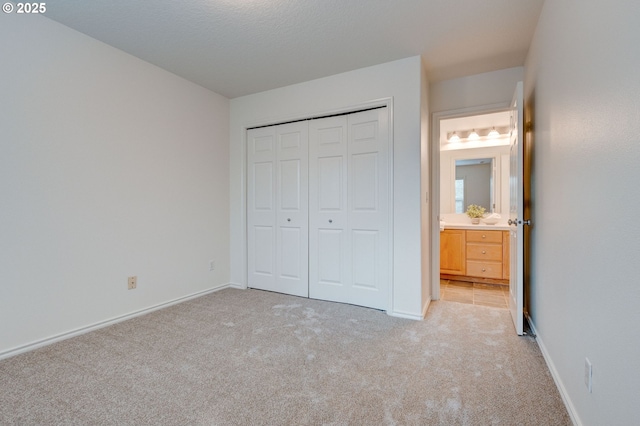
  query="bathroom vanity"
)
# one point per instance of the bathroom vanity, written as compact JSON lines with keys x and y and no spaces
{"x":475,"y":253}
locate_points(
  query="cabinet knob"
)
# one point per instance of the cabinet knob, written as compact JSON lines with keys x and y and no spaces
{"x":330,"y":220}
{"x":484,"y":270}
{"x":484,"y":252}
{"x":288,"y":219}
{"x":484,"y":236}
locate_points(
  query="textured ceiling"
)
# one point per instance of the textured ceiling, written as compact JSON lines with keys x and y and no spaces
{"x":239,"y":47}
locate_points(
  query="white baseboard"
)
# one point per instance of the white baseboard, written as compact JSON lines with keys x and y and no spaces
{"x":410,"y":315}
{"x":82,"y":330}
{"x":556,"y":377}
{"x":406,"y":315}
{"x":426,"y":308}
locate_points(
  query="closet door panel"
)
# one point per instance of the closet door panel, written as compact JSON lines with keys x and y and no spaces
{"x":261,"y":208}
{"x":330,"y":261}
{"x":368,"y":183}
{"x":328,"y":218}
{"x":364,"y":182}
{"x":365,"y":259}
{"x":262,"y":250}
{"x":330,"y":184}
{"x":292,"y":214}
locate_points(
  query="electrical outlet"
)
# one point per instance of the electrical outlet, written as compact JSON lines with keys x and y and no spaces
{"x":212,"y":265}
{"x":588,"y":374}
{"x":133,"y":282}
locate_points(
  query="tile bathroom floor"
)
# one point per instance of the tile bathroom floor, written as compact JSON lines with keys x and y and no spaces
{"x":494,"y":295}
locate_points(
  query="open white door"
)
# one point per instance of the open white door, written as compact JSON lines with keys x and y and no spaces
{"x":516,"y":210}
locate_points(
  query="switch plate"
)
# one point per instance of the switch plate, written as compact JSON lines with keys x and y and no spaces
{"x":588,"y":374}
{"x":132,"y":282}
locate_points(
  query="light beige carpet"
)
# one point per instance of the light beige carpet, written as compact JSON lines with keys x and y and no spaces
{"x":256,"y":358}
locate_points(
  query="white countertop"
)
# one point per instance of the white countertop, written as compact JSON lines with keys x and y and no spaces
{"x":480,"y":227}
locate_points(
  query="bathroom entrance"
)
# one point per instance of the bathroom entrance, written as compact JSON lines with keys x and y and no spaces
{"x":475,"y":246}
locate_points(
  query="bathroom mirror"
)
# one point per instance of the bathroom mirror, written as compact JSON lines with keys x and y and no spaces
{"x":474,"y":176}
{"x":474,"y":184}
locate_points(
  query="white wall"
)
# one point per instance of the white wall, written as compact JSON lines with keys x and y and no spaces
{"x":583,"y":102}
{"x":400,"y":80}
{"x":489,"y":88}
{"x":425,"y":193}
{"x":109,"y":167}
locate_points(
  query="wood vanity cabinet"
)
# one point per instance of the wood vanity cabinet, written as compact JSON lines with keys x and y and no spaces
{"x":452,"y":251}
{"x":475,"y":255}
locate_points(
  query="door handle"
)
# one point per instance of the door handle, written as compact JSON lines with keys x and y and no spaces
{"x":519,"y":222}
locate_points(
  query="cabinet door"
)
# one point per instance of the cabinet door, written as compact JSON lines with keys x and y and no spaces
{"x":452,"y":251}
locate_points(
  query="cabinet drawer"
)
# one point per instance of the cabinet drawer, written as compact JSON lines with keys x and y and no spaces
{"x":477,"y":251}
{"x":484,"y":269}
{"x":484,"y":236}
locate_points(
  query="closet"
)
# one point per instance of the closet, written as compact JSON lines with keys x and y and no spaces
{"x":318,"y":208}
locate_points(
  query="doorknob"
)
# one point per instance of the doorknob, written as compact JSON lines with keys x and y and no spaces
{"x":519,"y":222}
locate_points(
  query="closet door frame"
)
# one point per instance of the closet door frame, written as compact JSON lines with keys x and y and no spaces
{"x":379,"y":103}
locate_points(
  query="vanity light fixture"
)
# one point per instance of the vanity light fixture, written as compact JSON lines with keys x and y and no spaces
{"x":477,"y":135}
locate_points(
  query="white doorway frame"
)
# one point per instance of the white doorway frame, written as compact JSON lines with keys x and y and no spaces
{"x":436,"y":117}
{"x":377,"y":103}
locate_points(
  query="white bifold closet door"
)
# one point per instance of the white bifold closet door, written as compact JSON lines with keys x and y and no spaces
{"x":277,"y":208}
{"x":349,"y":206}
{"x":318,"y":202}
